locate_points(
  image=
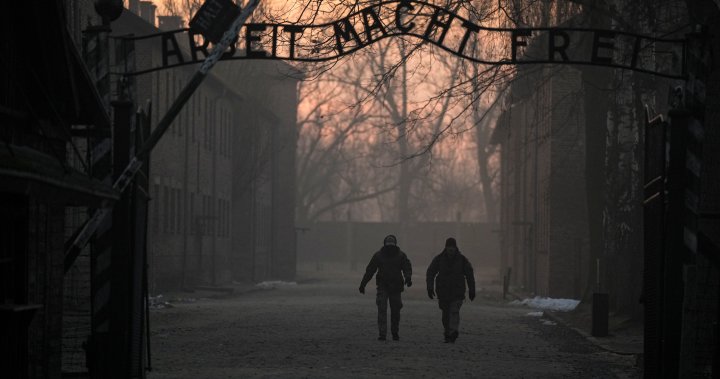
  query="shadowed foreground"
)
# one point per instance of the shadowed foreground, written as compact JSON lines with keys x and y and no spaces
{"x":326,"y":329}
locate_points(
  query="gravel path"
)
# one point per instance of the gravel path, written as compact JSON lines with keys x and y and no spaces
{"x":327,"y":330}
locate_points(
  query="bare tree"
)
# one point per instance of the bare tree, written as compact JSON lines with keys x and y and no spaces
{"x":331,"y":145}
{"x":182,"y":8}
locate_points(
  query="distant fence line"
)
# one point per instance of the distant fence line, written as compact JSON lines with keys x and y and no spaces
{"x":355,"y":242}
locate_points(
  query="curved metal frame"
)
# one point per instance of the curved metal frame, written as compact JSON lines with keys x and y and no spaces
{"x":360,"y":43}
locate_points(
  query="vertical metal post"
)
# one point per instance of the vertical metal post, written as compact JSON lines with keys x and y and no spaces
{"x":675,"y":257}
{"x":654,"y":243}
{"x":137,"y":274}
{"x":120,"y":301}
{"x":506,"y":282}
{"x":600,"y":306}
{"x":600,"y":314}
{"x":96,"y":54}
{"x":144,"y":132}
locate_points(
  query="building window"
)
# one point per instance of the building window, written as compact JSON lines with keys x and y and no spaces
{"x":223,"y":139}
{"x":166,"y":210}
{"x":230,"y":134}
{"x":167,"y":94}
{"x":180,"y":206}
{"x":193,"y":104}
{"x":220,"y":122}
{"x":182,"y":119}
{"x":163,"y":95}
{"x":173,"y":210}
{"x":190,"y":217}
{"x":229,"y":217}
{"x":226,"y":219}
{"x":203,"y":229}
{"x":213,"y":130}
{"x":156,"y":208}
{"x":156,"y":98}
{"x":213,"y":223}
{"x":206,"y":127}
{"x":220,"y":219}
{"x":179,"y":122}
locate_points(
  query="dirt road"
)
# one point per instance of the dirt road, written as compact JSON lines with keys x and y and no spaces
{"x":326,"y":329}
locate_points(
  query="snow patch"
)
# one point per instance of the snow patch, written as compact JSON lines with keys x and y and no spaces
{"x":158,"y":302}
{"x":272,"y":284}
{"x":184,"y":300}
{"x":535,"y":314}
{"x":546,"y":303}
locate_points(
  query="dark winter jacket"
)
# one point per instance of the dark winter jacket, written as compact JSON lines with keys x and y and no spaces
{"x":391,"y":265}
{"x":449,"y":275}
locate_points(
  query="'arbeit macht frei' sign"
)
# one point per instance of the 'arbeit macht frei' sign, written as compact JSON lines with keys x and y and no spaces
{"x":435,"y":25}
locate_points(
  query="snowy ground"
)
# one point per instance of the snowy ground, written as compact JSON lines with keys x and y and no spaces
{"x":562,"y":305}
{"x":326,"y":329}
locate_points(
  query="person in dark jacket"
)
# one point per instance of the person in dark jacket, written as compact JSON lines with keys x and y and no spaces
{"x":393,"y":273}
{"x":447,"y":274}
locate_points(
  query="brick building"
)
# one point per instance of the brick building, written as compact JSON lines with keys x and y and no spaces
{"x":263,"y":166}
{"x":543,"y":206}
{"x":222,"y":178}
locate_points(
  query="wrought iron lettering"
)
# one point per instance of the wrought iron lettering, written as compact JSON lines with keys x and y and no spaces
{"x":441,"y":27}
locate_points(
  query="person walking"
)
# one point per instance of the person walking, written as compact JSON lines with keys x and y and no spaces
{"x":394,"y":271}
{"x":448,"y":273}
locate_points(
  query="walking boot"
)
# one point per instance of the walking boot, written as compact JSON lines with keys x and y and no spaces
{"x":381,"y":338}
{"x":396,"y":337}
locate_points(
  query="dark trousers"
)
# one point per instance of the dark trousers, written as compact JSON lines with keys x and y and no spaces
{"x":451,"y":317}
{"x":395,"y":300}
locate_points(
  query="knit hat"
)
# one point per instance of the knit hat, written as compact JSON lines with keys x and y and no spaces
{"x":450,"y":242}
{"x":390,"y":240}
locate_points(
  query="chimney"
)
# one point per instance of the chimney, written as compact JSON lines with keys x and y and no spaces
{"x":134,"y":6}
{"x":167,"y":23}
{"x":147,"y":11}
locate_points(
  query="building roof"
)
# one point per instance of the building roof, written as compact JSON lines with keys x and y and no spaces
{"x":26,"y":170}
